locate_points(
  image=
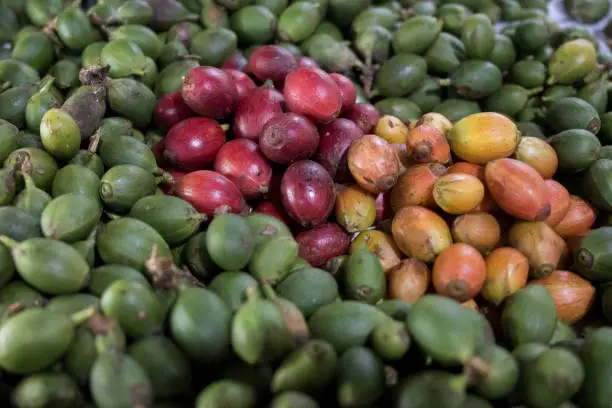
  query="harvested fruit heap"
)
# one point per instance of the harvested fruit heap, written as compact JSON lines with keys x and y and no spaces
{"x":394,"y":205}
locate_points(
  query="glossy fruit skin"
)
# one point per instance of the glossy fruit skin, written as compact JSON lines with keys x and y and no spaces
{"x":573,"y":295}
{"x":427,"y":144}
{"x":459,"y":272}
{"x":420,"y":233}
{"x":364,"y":115}
{"x":529,"y":316}
{"x":347,"y":89}
{"x":544,"y":249}
{"x":409,"y":280}
{"x":458,"y":193}
{"x":478,"y":229}
{"x":210,"y":193}
{"x":241,"y":161}
{"x":579,"y":219}
{"x":539,"y":155}
{"x":170,"y":110}
{"x":255,"y":111}
{"x":244,"y":84}
{"x":210,"y":92}
{"x":572,"y":61}
{"x":355,"y":208}
{"x":272,"y":62}
{"x":507,"y":272}
{"x":518,"y":189}
{"x":335,"y":139}
{"x":415,"y":186}
{"x":482,"y":137}
{"x":313,"y":93}
{"x":322,"y":243}
{"x":373,"y":163}
{"x":559,"y":199}
{"x":193,"y":143}
{"x":287,"y":138}
{"x":307,"y":193}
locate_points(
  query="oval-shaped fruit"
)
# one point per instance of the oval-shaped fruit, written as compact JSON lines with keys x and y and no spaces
{"x":518,"y":189}
{"x":458,"y":193}
{"x":355,"y":208}
{"x":420,"y":233}
{"x":576,"y":149}
{"x":507,"y":272}
{"x":529,"y":316}
{"x":173,"y":218}
{"x":273,"y":258}
{"x":482,"y":137}
{"x":135,"y":307}
{"x":544,"y":249}
{"x":572,"y":61}
{"x":373,"y":163}
{"x":573,"y":295}
{"x":128,"y":241}
{"x":477,"y":229}
{"x":204,"y":337}
{"x":307,"y":192}
{"x":559,"y":199}
{"x":70,"y":217}
{"x":579,"y":218}
{"x":409,"y":280}
{"x":415,"y":186}
{"x":22,"y":353}
{"x":313,"y":93}
{"x":317,"y":280}
{"x":538,"y":154}
{"x":392,"y":129}
{"x":426,"y":143}
{"x":113,"y":379}
{"x":51,"y":266}
{"x":229,"y":241}
{"x":364,"y":279}
{"x":431,"y":318}
{"x":597,"y":385}
{"x":540,"y":378}
{"x":380,"y":243}
{"x":459,"y":272}
{"x":592,"y":256}
{"x":322,"y":243}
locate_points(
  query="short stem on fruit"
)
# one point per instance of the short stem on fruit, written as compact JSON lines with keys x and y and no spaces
{"x":165,"y":274}
{"x":534,"y":91}
{"x":268,"y":291}
{"x":391,"y":376}
{"x":46,"y":83}
{"x":459,"y":383}
{"x":112,"y":216}
{"x":443,"y":81}
{"x":107,"y":31}
{"x":475,"y":368}
{"x":82,"y":315}
{"x":406,"y":13}
{"x":251,"y":292}
{"x":191,"y":56}
{"x":50,"y":27}
{"x":164,"y":177}
{"x":12,"y":244}
{"x":94,"y":142}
